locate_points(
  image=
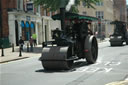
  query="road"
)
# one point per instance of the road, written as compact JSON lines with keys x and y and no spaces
{"x":111,"y":66}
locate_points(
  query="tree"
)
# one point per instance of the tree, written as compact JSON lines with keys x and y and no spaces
{"x":54,"y":5}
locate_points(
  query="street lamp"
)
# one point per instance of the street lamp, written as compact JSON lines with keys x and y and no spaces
{"x":1,"y":29}
{"x":99,"y":30}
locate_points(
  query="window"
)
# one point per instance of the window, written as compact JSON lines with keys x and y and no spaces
{"x":38,"y":9}
{"x":19,"y":4}
{"x":100,"y":14}
{"x":30,"y":6}
{"x":85,"y":13}
{"x":45,"y":13}
{"x":99,"y":4}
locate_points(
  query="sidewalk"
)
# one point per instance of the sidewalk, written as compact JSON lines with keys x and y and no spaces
{"x":12,"y":56}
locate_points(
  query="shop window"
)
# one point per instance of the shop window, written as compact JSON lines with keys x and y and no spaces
{"x":32,"y":25}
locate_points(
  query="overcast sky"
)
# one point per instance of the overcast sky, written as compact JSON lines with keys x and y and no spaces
{"x":127,"y":1}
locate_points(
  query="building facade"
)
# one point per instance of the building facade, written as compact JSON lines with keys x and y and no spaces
{"x":104,"y":11}
{"x":6,"y":5}
{"x":21,"y":18}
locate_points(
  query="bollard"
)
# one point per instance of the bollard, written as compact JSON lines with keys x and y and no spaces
{"x":20,"y":51}
{"x":42,"y":44}
{"x":27,"y":47}
{"x":12,"y":47}
{"x":31,"y":47}
{"x":2,"y":51}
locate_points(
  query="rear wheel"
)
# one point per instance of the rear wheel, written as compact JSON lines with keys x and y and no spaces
{"x":91,"y":50}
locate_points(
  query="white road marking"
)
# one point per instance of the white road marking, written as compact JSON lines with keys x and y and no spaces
{"x":107,"y":69}
{"x":92,"y":70}
{"x":82,"y":69}
{"x":112,"y":63}
{"x":107,"y":63}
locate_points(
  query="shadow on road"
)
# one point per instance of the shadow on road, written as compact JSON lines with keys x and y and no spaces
{"x":76,"y":65}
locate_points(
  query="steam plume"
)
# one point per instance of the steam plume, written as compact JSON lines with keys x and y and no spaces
{"x":70,"y":3}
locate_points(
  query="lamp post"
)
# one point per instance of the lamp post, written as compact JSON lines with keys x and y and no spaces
{"x":99,"y":30}
{"x":1,"y":29}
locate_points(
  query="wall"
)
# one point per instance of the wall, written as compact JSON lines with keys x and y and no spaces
{"x":107,"y":8}
{"x":21,"y":16}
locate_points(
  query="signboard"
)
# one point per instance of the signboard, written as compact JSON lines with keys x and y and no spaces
{"x":30,"y":6}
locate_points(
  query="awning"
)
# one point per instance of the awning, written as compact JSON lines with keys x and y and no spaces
{"x":73,"y":16}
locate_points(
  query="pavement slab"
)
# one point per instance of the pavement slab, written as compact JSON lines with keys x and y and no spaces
{"x":12,"y":56}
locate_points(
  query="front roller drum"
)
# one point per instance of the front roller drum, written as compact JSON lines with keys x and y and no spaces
{"x":116,"y":43}
{"x":56,"y":57}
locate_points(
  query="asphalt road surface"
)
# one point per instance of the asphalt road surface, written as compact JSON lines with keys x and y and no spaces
{"x":111,"y":66}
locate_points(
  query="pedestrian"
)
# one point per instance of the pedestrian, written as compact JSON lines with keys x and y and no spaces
{"x":31,"y":43}
{"x":34,"y":39}
{"x":21,"y":43}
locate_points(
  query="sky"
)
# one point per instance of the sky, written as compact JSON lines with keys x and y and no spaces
{"x":127,"y":2}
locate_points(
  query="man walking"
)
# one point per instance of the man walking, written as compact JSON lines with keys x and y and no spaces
{"x":34,"y":39}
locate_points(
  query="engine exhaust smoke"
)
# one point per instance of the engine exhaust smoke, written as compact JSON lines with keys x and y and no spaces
{"x":70,"y":3}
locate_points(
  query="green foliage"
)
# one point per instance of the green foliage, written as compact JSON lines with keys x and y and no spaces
{"x":54,"y":5}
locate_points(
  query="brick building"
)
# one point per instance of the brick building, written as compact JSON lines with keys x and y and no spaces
{"x":6,"y":5}
{"x":14,"y":17}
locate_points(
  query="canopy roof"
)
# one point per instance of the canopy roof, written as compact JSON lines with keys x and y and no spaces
{"x":73,"y":16}
{"x":118,"y":22}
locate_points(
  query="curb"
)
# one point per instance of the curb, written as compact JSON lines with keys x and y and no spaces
{"x":13,"y":59}
{"x":119,"y":83}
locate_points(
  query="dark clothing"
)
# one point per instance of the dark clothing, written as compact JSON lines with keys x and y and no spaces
{"x":31,"y":44}
{"x":21,"y":43}
{"x":34,"y":40}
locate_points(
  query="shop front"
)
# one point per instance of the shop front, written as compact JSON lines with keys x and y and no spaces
{"x":23,"y":25}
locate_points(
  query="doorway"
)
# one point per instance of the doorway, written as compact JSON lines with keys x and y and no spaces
{"x":16,"y":33}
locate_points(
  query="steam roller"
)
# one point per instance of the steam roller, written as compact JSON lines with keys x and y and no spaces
{"x":76,"y":41}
